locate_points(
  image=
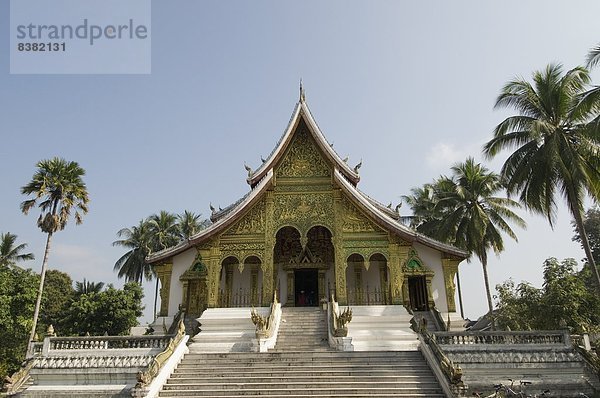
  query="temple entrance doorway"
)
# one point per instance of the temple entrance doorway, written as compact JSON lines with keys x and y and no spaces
{"x":417,"y":291}
{"x":306,"y":286}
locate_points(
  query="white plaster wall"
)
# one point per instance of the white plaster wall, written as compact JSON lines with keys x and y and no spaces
{"x":433,"y":260}
{"x":181,"y":263}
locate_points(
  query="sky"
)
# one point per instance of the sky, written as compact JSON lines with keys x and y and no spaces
{"x":406,"y":87}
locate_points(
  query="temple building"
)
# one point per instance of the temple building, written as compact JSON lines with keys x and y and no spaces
{"x":305,"y":231}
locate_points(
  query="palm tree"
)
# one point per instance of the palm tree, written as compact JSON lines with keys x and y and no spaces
{"x":10,"y":254}
{"x":58,"y":190}
{"x":87,"y":287}
{"x":188,"y":224}
{"x":593,"y":57}
{"x":132,"y":265}
{"x":557,"y":143}
{"x":164,"y":233}
{"x":466,"y":213}
{"x":164,"y":230}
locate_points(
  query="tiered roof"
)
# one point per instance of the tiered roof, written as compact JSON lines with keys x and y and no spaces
{"x":345,"y":177}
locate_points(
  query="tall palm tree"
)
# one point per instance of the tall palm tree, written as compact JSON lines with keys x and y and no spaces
{"x":87,"y":287}
{"x":58,"y":189}
{"x":467,"y":213}
{"x":188,"y":224}
{"x":556,"y":141}
{"x":10,"y":254}
{"x":164,"y":230}
{"x":164,"y":233}
{"x":132,"y":265}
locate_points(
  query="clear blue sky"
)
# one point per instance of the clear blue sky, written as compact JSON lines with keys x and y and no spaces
{"x":406,"y":86}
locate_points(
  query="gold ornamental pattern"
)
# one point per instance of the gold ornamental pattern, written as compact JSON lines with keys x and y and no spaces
{"x":303,"y":159}
{"x":304,"y":210}
{"x":251,"y":223}
{"x":354,"y":220}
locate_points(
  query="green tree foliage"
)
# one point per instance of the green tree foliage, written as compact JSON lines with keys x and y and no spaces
{"x":87,"y":287}
{"x":155,"y":233}
{"x":591,"y":222}
{"x":112,"y":311}
{"x":563,"y":299}
{"x":57,"y":189}
{"x":18,"y":289}
{"x":10,"y":253}
{"x":466,"y":211}
{"x":57,"y":297}
{"x":556,"y":141}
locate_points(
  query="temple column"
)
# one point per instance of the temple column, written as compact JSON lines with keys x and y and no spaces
{"x":163,"y":272}
{"x":321,"y":283}
{"x":254,"y":285}
{"x":228,"y":285}
{"x":290,"y":288}
{"x":398,"y":257}
{"x":268,"y":278}
{"x":184,"y":300}
{"x":340,"y":259}
{"x":430,"y":301}
{"x":214,"y":272}
{"x":383,"y":288}
{"x":450,"y":268}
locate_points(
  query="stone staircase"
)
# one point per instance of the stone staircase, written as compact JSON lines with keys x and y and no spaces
{"x":303,"y":365}
{"x":382,"y":328}
{"x":302,"y":329}
{"x":303,"y":374}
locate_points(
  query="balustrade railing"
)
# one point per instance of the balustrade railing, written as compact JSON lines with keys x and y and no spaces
{"x":452,"y":372}
{"x":240,"y":298}
{"x":107,"y":342}
{"x":502,"y":337}
{"x":367,"y":296}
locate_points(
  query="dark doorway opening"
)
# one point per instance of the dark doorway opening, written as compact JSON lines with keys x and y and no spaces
{"x":306,"y":287}
{"x":417,"y":291}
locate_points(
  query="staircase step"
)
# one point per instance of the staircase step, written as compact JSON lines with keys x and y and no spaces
{"x":303,"y":365}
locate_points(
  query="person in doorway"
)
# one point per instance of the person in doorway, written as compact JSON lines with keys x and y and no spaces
{"x":302,"y":298}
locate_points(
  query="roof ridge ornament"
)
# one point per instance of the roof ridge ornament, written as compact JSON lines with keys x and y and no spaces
{"x":358,"y":166}
{"x":248,"y":169}
{"x":302,"y":94}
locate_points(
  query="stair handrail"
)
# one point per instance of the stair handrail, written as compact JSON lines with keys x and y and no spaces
{"x":266,"y":327}
{"x":439,"y":320}
{"x":14,"y":383}
{"x":180,"y":315}
{"x":591,"y":359}
{"x":339,"y":322}
{"x":451,"y":371}
{"x":144,"y":378}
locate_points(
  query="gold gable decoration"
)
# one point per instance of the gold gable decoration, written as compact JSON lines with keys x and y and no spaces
{"x":251,"y":223}
{"x":303,"y":158}
{"x":355,"y":221}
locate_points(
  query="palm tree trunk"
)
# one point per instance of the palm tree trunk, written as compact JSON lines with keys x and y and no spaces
{"x":585,"y":243}
{"x":460,"y":303}
{"x":38,"y":302}
{"x":487,"y":283}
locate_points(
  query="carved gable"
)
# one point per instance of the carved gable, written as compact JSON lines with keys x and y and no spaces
{"x":252,"y":223}
{"x":356,"y":221}
{"x":303,"y":158}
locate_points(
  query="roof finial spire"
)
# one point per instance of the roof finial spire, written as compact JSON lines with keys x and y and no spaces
{"x":302,"y":95}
